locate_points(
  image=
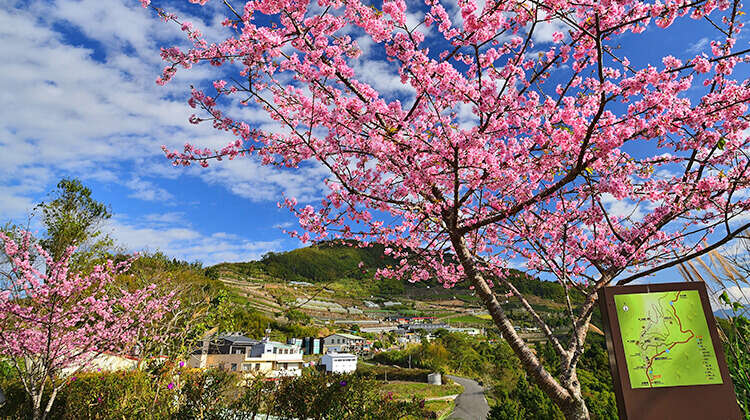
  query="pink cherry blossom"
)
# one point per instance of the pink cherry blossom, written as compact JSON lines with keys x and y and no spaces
{"x":53,"y":319}
{"x":565,"y":157}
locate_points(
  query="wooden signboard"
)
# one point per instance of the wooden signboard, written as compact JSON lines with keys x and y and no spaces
{"x":664,"y":353}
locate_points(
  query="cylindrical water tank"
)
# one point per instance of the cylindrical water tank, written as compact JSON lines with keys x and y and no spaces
{"x":434,"y":379}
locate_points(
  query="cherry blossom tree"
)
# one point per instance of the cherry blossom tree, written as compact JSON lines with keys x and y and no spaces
{"x":52,"y":319}
{"x":527,"y":136}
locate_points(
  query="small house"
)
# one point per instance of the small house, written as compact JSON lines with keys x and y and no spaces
{"x":342,"y":342}
{"x":339,"y":362}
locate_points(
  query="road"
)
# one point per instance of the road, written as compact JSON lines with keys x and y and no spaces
{"x":471,"y":404}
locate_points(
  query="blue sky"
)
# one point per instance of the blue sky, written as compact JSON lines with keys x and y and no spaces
{"x":80,"y":100}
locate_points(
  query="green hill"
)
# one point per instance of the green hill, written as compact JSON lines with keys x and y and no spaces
{"x":322,"y":262}
{"x":333,"y":269}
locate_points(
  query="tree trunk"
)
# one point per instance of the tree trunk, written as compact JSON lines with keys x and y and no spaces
{"x":36,"y":412}
{"x":575,"y":409}
{"x":569,"y":399}
{"x":49,"y":403}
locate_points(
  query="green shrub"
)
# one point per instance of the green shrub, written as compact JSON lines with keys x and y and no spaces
{"x":110,"y":395}
{"x":390,"y":373}
{"x":18,"y":403}
{"x":316,"y":395}
{"x":207,"y":394}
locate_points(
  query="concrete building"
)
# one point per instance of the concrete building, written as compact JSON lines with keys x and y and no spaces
{"x":342,"y":342}
{"x":108,"y":362}
{"x":274,"y":359}
{"x":425,"y":327}
{"x":250,"y":356}
{"x":232,"y":343}
{"x":469,"y":331}
{"x":339,"y":362}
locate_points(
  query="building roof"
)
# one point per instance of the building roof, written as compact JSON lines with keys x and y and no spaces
{"x":237,"y":339}
{"x":278,"y":344}
{"x":340,"y":355}
{"x":349,"y":336}
{"x":427,"y":326}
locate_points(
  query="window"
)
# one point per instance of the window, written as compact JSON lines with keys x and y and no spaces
{"x":247,"y":366}
{"x":234,"y":367}
{"x":275,"y":350}
{"x":257,"y":366}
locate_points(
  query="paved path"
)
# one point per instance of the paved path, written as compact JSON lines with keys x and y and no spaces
{"x":471,"y":404}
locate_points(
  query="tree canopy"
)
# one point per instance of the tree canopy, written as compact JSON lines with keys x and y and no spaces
{"x":510,"y":146}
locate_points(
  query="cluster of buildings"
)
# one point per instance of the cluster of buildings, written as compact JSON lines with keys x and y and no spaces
{"x":238,"y":353}
{"x":413,"y":329}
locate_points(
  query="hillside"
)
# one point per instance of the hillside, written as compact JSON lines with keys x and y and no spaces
{"x":325,"y":283}
{"x":321,"y":262}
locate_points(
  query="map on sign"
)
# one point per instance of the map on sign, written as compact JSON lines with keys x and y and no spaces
{"x":666,"y":339}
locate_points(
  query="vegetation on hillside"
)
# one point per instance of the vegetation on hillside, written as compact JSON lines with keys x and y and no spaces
{"x":170,"y":392}
{"x":325,"y":261}
{"x":497,"y":367}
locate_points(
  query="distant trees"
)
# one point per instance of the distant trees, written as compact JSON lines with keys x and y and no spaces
{"x":73,"y":218}
{"x":325,"y":261}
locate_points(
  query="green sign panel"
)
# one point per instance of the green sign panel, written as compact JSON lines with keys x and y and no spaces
{"x":666,"y":339}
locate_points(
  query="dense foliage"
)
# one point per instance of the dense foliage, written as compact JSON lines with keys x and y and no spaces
{"x":324,"y":261}
{"x":320,"y":396}
{"x":736,"y":344}
{"x":497,"y":367}
{"x":72,"y":217}
{"x":165,"y":391}
{"x":63,"y":319}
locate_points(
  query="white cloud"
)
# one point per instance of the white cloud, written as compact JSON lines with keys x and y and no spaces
{"x":185,"y":242}
{"x":735,"y":294}
{"x":621,"y":209}
{"x":14,"y":202}
{"x":382,"y":76}
{"x":147,"y":191}
{"x":365,"y":44}
{"x":544,"y":30}
{"x":166,"y":218}
{"x":95,"y":114}
{"x":247,"y":178}
{"x":698,"y":46}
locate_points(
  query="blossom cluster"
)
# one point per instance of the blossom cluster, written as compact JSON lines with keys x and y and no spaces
{"x":56,"y":318}
{"x":574,"y":159}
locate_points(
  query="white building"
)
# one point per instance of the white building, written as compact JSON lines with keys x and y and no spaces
{"x":108,"y":362}
{"x":274,"y":359}
{"x":339,"y":362}
{"x":341,"y":342}
{"x":269,"y":358}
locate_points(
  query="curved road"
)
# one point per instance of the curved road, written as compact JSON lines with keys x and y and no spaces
{"x":471,"y":404}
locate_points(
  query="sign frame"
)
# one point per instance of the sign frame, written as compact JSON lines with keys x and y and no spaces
{"x":714,"y":401}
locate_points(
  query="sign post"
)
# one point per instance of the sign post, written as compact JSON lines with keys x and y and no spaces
{"x":664,"y":353}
